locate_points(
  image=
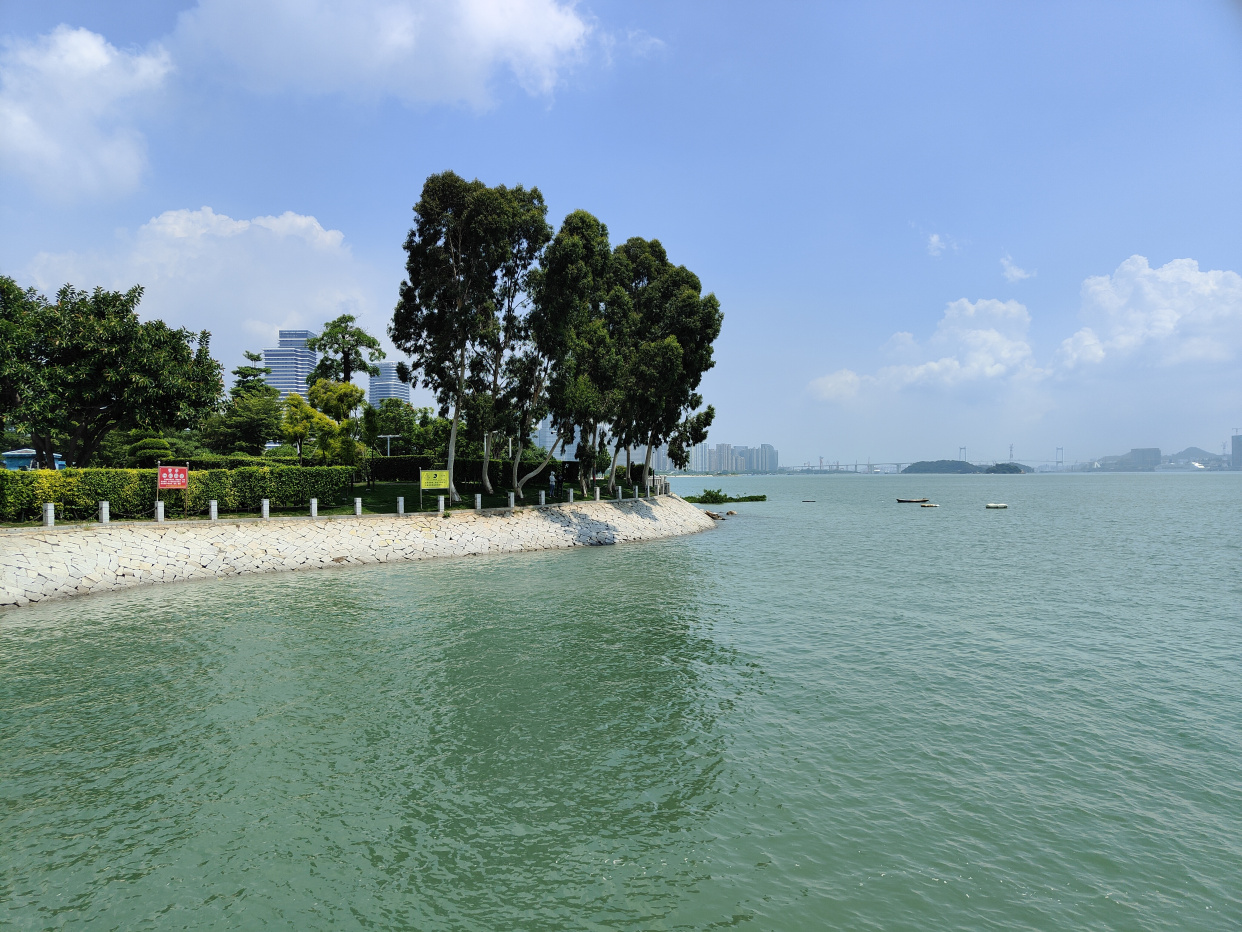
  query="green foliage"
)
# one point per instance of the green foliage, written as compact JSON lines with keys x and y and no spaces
{"x":150,"y":450}
{"x":344,"y":350}
{"x":83,"y":366}
{"x":338,"y":400}
{"x":247,"y":423}
{"x":718,"y":497}
{"x":1010,"y":469}
{"x":130,"y":493}
{"x":251,"y":379}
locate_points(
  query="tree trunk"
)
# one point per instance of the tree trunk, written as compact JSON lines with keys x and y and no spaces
{"x":537,"y":470}
{"x":513,"y":482}
{"x":647,"y":464}
{"x":612,"y":470}
{"x":452,"y":444}
{"x":487,"y":459}
{"x":629,"y":467}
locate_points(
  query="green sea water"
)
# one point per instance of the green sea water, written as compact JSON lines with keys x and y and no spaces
{"x":835,"y":714}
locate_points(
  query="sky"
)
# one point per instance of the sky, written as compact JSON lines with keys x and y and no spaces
{"x":930,"y":226}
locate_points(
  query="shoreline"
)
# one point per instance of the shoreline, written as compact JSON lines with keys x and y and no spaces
{"x":37,"y":564}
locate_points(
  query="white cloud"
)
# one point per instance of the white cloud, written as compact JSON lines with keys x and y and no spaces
{"x":240,"y":279}
{"x":1012,"y":272}
{"x":420,"y":51}
{"x":935,"y":245}
{"x":67,"y":103}
{"x":1165,"y":316}
{"x":836,"y":386}
{"x":980,"y":343}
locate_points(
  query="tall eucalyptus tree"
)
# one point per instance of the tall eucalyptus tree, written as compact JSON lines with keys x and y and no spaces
{"x":447,"y":302}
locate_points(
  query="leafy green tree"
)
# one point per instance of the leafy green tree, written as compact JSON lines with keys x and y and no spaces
{"x":345,"y":349}
{"x":672,"y":331}
{"x":338,"y":400}
{"x":495,"y":393}
{"x":446,"y":303}
{"x":571,"y":325}
{"x":85,"y":365}
{"x":251,"y":417}
{"x":251,"y":379}
{"x":301,"y":423}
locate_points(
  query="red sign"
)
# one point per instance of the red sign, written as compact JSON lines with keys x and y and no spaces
{"x":174,"y":477}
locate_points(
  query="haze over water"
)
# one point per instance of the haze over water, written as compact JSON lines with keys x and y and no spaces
{"x":843,"y":713}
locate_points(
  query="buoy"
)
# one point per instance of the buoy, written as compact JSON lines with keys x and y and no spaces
{"x":995,"y":505}
{"x":929,"y":506}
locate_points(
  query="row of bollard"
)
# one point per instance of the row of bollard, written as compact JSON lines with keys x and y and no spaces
{"x":213,"y":511}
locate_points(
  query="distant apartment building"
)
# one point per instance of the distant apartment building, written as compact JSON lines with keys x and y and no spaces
{"x":727,"y":457}
{"x":291,"y":362}
{"x":1236,"y":460}
{"x":387,"y":385}
{"x":544,"y":436}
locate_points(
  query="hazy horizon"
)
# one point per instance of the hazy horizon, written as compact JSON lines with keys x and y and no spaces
{"x":929,"y":227}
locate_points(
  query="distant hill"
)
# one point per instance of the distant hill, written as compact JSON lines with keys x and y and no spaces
{"x":960,"y":467}
{"x":1195,"y":455}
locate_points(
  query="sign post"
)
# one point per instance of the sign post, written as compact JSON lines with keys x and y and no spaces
{"x":175,"y":477}
{"x":431,"y":479}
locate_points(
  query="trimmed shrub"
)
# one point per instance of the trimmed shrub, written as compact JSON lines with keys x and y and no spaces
{"x":130,"y":493}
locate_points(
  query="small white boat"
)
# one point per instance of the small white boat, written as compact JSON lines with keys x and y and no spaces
{"x":929,"y":505}
{"x":995,"y":505}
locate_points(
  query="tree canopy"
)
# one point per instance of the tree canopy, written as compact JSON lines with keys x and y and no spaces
{"x":85,"y":365}
{"x":345,"y":349}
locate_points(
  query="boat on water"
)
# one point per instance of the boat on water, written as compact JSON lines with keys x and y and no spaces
{"x":995,"y":505}
{"x":926,"y":505}
{"x":911,"y":501}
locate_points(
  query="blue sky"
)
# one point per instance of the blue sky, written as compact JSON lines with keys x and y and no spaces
{"x":929,"y":225}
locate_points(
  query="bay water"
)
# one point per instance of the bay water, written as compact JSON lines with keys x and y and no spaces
{"x":829,"y":712}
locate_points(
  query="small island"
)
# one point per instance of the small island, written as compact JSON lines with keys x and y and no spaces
{"x":718,"y":497}
{"x":961,"y":467}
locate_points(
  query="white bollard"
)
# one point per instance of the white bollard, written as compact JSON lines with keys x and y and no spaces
{"x":510,"y":499}
{"x":440,"y":504}
{"x":543,"y":498}
{"x":478,"y":502}
{"x":620,"y":493}
{"x":213,"y":510}
{"x":49,"y":514}
{"x":265,"y":509}
{"x":400,"y":504}
{"x":571,"y":494}
{"x":105,"y":512}
{"x":635,"y":493}
{"x":159,"y":511}
{"x":597,"y":493}
{"x":314,"y":508}
{"x":357,"y":507}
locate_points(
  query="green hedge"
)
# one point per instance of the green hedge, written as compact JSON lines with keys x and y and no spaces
{"x":130,"y":493}
{"x":467,"y":473}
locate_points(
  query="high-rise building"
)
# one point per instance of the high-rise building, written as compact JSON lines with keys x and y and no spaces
{"x":291,"y":362}
{"x":1236,"y":460}
{"x":544,"y":436}
{"x":387,"y":385}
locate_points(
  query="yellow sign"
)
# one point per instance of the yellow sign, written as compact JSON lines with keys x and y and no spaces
{"x":433,"y":478}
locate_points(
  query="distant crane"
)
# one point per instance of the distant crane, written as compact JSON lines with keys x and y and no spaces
{"x":961,"y":453}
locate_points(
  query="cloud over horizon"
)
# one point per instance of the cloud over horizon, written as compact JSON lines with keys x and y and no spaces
{"x":241,"y":279}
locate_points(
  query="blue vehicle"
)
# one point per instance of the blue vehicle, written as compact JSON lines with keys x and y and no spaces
{"x":25,"y":459}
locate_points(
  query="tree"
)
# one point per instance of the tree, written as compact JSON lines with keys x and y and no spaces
{"x":345,"y":349}
{"x":300,"y":424}
{"x":569,"y":322}
{"x":338,"y":400}
{"x":85,"y":366}
{"x":251,"y":417}
{"x":251,"y":379}
{"x":494,"y":401}
{"x":453,"y":254}
{"x":673,"y":330}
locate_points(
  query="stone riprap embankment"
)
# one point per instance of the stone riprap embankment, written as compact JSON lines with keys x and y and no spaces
{"x":46,"y":563}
